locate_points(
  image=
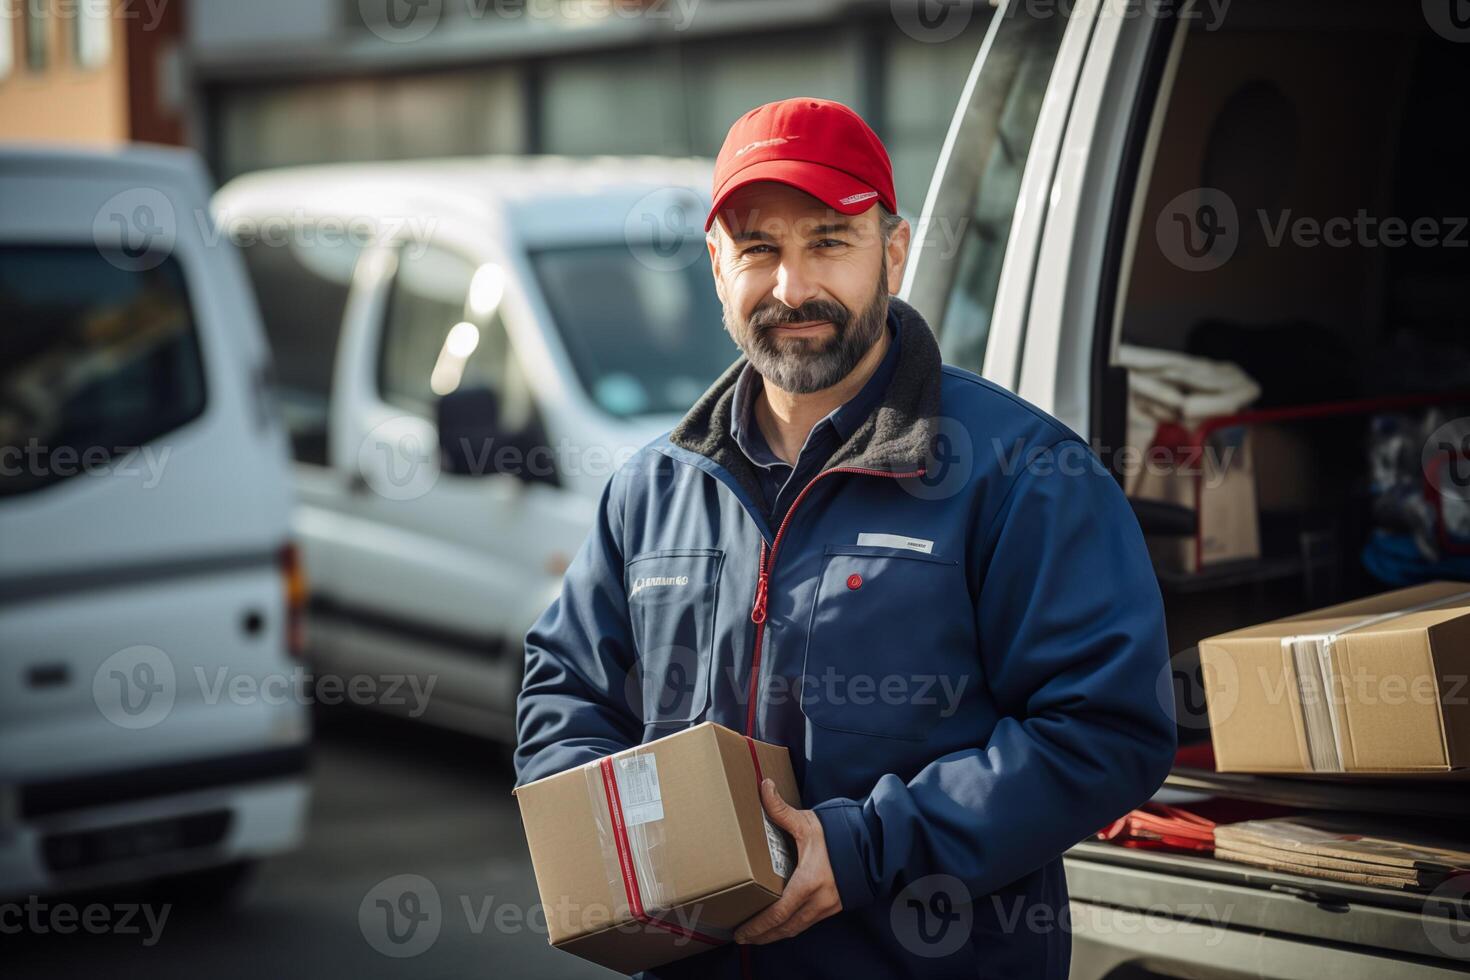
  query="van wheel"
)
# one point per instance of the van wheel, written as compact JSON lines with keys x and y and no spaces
{"x":208,"y":888}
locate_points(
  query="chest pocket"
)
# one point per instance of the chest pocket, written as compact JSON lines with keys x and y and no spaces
{"x":884,"y":639}
{"x":671,"y":609}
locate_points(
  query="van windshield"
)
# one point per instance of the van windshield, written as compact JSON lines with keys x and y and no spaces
{"x":644,"y":338}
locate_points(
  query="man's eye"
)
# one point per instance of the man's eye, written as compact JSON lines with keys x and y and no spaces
{"x":757,"y":250}
{"x":830,"y":243}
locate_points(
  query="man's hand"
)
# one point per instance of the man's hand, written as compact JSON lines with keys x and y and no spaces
{"x":811,"y":893}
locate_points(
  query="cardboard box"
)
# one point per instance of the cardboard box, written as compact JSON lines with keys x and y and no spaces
{"x":658,"y":852}
{"x":1373,"y":686}
{"x":1218,"y":482}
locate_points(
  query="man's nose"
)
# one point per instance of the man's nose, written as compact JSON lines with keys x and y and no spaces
{"x":793,"y":286}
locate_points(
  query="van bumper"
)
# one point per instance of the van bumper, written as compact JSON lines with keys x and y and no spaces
{"x":133,"y":825}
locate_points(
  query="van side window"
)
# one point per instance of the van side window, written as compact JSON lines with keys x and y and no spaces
{"x":443,"y":333}
{"x":301,"y":284}
{"x":984,"y":174}
{"x":100,"y":356}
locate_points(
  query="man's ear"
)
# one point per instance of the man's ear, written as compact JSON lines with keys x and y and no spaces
{"x":712,"y":242}
{"x":898,"y":255}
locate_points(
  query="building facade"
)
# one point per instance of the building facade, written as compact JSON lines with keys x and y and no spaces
{"x":282,"y":82}
{"x":92,"y":71}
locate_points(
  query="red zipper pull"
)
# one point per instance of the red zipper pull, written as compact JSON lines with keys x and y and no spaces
{"x":758,"y":611}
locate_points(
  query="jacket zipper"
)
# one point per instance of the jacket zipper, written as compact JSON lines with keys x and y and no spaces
{"x":763,"y":580}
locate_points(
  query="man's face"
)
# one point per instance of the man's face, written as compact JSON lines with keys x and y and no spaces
{"x":805,"y":288}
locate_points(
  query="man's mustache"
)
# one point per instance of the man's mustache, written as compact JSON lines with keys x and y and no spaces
{"x":779,"y":314}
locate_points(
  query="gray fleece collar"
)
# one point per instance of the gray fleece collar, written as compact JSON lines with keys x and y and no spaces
{"x":894,"y":438}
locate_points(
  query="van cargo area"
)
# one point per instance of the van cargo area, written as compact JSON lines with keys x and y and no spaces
{"x":1279,"y":132}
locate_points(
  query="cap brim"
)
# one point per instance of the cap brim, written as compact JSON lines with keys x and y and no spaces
{"x":835,"y":188}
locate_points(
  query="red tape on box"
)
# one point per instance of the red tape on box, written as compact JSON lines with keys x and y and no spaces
{"x":625,"y":862}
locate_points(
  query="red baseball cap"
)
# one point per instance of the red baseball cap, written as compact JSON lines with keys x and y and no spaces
{"x":815,"y":145}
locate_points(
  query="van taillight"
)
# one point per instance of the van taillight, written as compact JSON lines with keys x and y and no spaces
{"x":294,"y":579}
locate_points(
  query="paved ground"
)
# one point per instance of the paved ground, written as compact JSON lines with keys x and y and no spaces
{"x":391,"y":799}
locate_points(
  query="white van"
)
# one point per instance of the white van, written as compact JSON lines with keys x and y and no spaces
{"x":1190,"y":177}
{"x":466,"y":350}
{"x":145,"y":554}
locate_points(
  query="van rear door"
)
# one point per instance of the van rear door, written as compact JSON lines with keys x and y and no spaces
{"x":144,"y":502}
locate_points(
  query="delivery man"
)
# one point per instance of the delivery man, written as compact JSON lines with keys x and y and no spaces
{"x":927,"y":589}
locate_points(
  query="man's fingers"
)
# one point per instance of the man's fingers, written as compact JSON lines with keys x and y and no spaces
{"x":810,"y":912}
{"x":776,"y":914}
{"x":782,"y":813}
{"x":798,"y":922}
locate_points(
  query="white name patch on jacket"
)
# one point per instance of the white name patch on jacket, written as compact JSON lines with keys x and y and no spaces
{"x":896,"y":541}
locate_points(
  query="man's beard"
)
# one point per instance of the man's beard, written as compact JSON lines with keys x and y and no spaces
{"x":803,"y":365}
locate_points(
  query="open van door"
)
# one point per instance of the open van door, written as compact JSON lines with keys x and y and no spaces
{"x":1030,"y":169}
{"x":1065,"y":195}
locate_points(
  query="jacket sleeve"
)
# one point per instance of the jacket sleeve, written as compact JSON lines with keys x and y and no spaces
{"x":1073,"y":647}
{"x":573,"y":706}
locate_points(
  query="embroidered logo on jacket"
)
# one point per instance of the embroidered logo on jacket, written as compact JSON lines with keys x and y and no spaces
{"x":657,"y":582}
